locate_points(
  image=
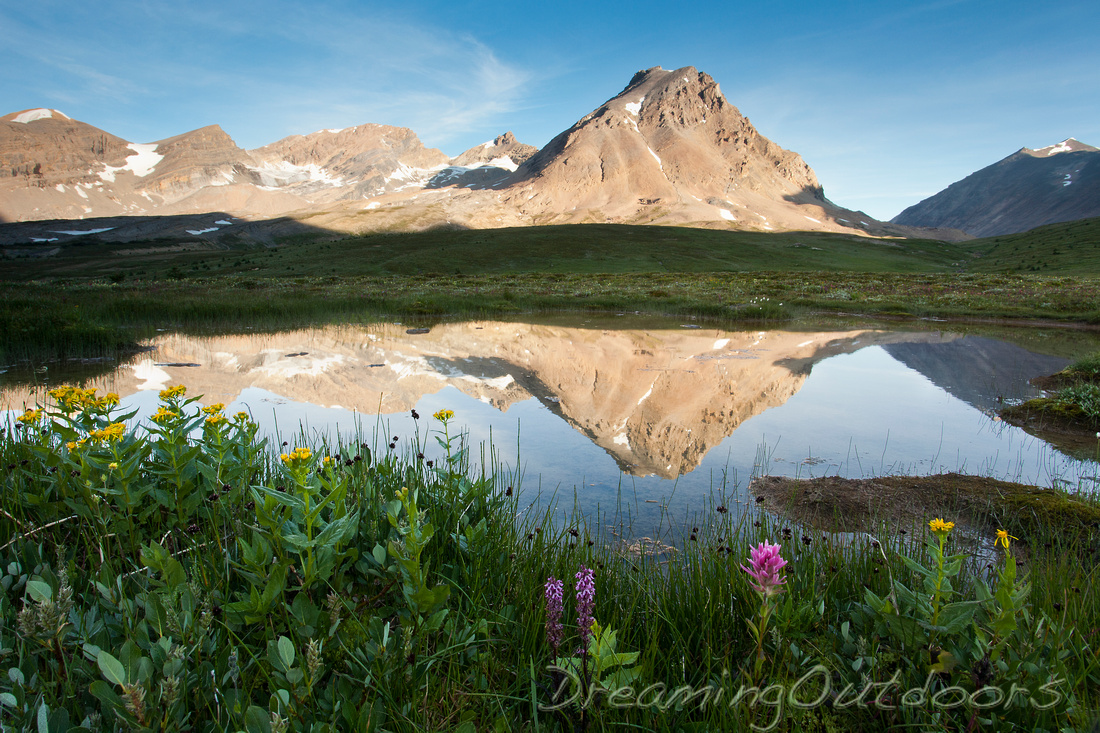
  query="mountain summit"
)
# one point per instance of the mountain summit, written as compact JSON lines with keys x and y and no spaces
{"x":1027,"y":189}
{"x":668,"y":146}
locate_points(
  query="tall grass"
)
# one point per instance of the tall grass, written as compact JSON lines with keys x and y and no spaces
{"x":187,"y":576}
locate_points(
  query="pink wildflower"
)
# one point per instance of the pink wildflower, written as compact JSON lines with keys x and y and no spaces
{"x":586,"y":603}
{"x":553,"y":612}
{"x":766,"y":563}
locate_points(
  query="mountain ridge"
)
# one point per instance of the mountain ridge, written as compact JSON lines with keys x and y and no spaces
{"x":668,"y":149}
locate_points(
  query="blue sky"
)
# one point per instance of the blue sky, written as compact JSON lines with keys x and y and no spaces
{"x":888,"y":102}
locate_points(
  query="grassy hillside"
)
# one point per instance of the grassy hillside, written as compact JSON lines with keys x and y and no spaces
{"x":595,"y":248}
{"x":1072,"y":247}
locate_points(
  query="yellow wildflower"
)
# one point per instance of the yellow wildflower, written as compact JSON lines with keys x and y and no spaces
{"x":298,"y":455}
{"x":938,"y":526}
{"x":241,"y":416}
{"x":1003,"y":537}
{"x":214,"y":409}
{"x":113,"y":466}
{"x":172,"y":392}
{"x":111,"y":433}
{"x":327,"y":460}
{"x":163,"y":415}
{"x":71,"y":446}
{"x":444,"y":415}
{"x":110,"y":399}
{"x":216,"y":420}
{"x":30,"y":417}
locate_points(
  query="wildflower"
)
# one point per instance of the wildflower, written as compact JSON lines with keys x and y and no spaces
{"x":766,"y":563}
{"x":163,"y":416}
{"x":298,"y":455}
{"x":940,"y":527}
{"x":110,"y":399}
{"x":71,"y":446}
{"x":214,"y":409}
{"x":554,"y":629}
{"x":172,"y":392}
{"x":109,"y":434}
{"x":30,"y":417}
{"x":1002,"y":539}
{"x":216,"y":420}
{"x":112,"y":466}
{"x":241,"y":416}
{"x":444,"y":415}
{"x":586,"y":602}
{"x":327,"y":461}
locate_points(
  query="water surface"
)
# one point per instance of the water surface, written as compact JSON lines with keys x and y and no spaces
{"x":657,"y":417}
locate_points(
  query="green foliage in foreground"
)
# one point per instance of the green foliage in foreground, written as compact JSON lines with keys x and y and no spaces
{"x":177,"y":577}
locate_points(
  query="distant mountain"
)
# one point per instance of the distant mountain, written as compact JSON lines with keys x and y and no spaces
{"x":668,"y":149}
{"x":1027,"y":189}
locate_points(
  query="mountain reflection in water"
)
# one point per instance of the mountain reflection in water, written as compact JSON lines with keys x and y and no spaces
{"x":662,"y":401}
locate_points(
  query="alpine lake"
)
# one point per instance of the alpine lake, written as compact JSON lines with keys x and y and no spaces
{"x":637,"y":423}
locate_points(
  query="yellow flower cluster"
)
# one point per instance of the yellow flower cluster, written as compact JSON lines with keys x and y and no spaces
{"x":163,"y":415}
{"x":70,"y":399}
{"x":444,"y":415}
{"x":215,"y":416}
{"x":30,"y":417}
{"x":109,"y":434}
{"x":172,"y":392}
{"x":938,"y":526}
{"x":298,"y":455}
{"x":241,"y":416}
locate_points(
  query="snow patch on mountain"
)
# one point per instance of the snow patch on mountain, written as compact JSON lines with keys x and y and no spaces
{"x":78,"y":232}
{"x":33,"y":115}
{"x":1062,"y":147}
{"x":285,"y":173}
{"x":141,"y":163}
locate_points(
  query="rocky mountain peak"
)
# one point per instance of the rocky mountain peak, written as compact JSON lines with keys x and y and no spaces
{"x":669,"y":138}
{"x":1069,"y":145}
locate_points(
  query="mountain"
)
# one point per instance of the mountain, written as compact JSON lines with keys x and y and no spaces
{"x":668,"y":149}
{"x":1027,"y":189}
{"x":670,"y":142}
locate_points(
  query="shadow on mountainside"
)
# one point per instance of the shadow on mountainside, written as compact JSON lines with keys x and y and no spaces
{"x":82,"y":247}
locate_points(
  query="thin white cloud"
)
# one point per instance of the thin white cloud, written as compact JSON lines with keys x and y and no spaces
{"x":265,"y":70}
